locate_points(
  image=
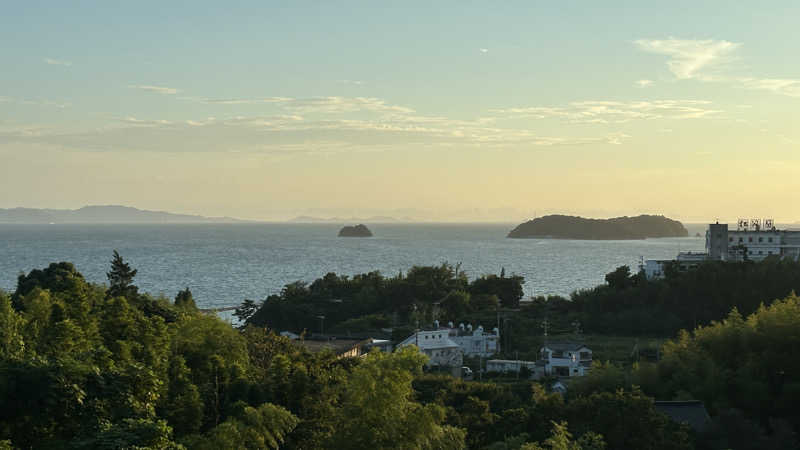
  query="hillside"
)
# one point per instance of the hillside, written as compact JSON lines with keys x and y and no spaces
{"x":573,"y":227}
{"x":100,"y":215}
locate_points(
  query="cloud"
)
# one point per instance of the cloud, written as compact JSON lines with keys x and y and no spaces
{"x":352,"y":82}
{"x":240,"y":101}
{"x":789,"y":87}
{"x":155,"y":89}
{"x":484,"y":50}
{"x":644,"y":83}
{"x":707,"y":60}
{"x":690,"y":58}
{"x":606,"y":112}
{"x":57,"y":62}
{"x":35,"y":102}
{"x":339,"y":105}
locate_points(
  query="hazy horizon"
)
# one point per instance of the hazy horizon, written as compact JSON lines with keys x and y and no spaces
{"x":450,"y":112}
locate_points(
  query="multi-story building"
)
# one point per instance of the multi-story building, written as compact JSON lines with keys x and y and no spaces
{"x":752,"y":242}
{"x":441,"y":343}
{"x":438,"y":346}
{"x":475,"y":342}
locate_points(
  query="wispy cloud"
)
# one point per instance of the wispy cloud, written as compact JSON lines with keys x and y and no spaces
{"x":352,"y":82}
{"x":35,"y":102}
{"x":644,"y":83}
{"x":338,"y":105}
{"x":155,"y":89}
{"x":606,"y":112}
{"x":484,"y":50}
{"x":691,"y":58}
{"x":790,"y":87}
{"x":57,"y":62}
{"x":708,"y":60}
{"x":240,"y":101}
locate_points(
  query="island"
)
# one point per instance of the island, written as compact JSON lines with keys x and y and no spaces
{"x":619,"y":228}
{"x":359,"y":230}
{"x":102,"y":214}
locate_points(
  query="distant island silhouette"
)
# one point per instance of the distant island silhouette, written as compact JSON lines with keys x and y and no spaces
{"x":102,"y":214}
{"x":574,"y":227}
{"x":359,"y":230}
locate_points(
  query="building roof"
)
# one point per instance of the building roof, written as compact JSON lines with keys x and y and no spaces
{"x":338,"y":346}
{"x":690,"y":412}
{"x":428,"y":344}
{"x":564,"y":346}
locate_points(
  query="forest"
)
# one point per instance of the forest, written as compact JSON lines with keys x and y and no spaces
{"x":84,"y":365}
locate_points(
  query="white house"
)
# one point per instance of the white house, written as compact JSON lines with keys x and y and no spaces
{"x":438,"y":346}
{"x":475,"y":342}
{"x":566,"y":359}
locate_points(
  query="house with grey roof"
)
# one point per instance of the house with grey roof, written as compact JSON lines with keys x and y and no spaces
{"x":689,"y":412}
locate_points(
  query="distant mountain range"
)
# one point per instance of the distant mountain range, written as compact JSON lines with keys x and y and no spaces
{"x":101,"y":215}
{"x":572,"y":227}
{"x":375,"y":219}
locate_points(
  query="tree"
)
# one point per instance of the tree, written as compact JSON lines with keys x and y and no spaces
{"x":120,"y":278}
{"x":620,"y":278}
{"x":12,"y":343}
{"x":245,"y":310}
{"x":184,"y":300}
{"x":377,"y":410}
{"x":265,"y":427}
{"x":561,"y":439}
{"x":456,"y":304}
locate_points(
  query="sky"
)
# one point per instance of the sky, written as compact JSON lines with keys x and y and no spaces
{"x":449,"y":111}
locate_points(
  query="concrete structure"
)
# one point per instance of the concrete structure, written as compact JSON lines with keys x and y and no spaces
{"x":752,"y":242}
{"x":437,"y":345}
{"x":475,"y":342}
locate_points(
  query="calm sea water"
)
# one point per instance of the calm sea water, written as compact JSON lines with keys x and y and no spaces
{"x":224,"y":264}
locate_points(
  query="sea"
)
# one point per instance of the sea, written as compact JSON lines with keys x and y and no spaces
{"x":223,"y":264}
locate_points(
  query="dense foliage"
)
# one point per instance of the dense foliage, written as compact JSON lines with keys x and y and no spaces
{"x":629,"y":303}
{"x":371,"y":301}
{"x":90,"y":366}
{"x":85,"y":366}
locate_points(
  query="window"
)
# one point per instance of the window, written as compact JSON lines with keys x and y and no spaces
{"x":586,"y":355}
{"x":730,"y":239}
{"x":750,"y":239}
{"x":741,"y":240}
{"x":761,"y":239}
{"x":562,"y":371}
{"x":769,"y":252}
{"x":760,"y":252}
{"x":769,"y":239}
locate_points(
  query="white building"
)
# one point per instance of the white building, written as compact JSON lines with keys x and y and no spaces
{"x":561,"y":359}
{"x":746,"y":242}
{"x":475,"y":342}
{"x":438,"y":346}
{"x":566,"y":359}
{"x":654,"y":268}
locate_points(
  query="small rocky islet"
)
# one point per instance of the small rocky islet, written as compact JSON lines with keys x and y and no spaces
{"x":359,"y":230}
